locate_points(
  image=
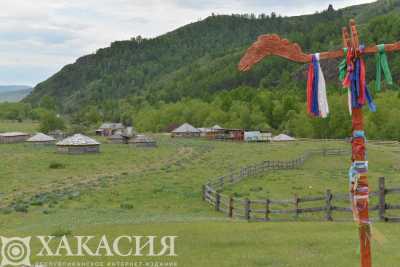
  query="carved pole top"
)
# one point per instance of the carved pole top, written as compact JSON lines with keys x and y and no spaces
{"x":271,"y":44}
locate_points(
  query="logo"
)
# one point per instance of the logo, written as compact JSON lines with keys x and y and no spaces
{"x":15,"y":251}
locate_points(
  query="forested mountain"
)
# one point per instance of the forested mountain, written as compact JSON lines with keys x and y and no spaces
{"x":198,"y":59}
{"x":190,"y":74}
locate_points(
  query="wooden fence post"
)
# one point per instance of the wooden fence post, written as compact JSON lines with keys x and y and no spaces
{"x":247,"y":204}
{"x":267,"y":209}
{"x":382,"y":202}
{"x":328,"y":206}
{"x":217,"y":201}
{"x":203,"y":192}
{"x":230,"y":207}
{"x":222,"y":180}
{"x":296,"y":205}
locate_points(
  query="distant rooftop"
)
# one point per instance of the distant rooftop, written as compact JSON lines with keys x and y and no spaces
{"x":111,"y":125}
{"x":41,"y":137}
{"x":78,"y":140}
{"x":12,"y":134}
{"x":186,"y":128}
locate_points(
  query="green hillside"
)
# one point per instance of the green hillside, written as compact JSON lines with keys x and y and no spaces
{"x":200,"y":59}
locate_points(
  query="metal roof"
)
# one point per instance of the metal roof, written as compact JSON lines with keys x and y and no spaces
{"x":78,"y":140}
{"x":111,"y":125}
{"x":116,"y":136}
{"x":41,"y":137}
{"x":186,"y":128}
{"x":283,"y":137}
{"x":140,"y":138}
{"x":217,"y":127}
{"x":12,"y":134}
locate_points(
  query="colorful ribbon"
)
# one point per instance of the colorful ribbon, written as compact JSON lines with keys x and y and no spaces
{"x":343,"y":66}
{"x":382,"y":64}
{"x":355,"y":81}
{"x":317,"y":102}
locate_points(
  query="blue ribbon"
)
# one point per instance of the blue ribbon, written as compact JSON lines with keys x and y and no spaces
{"x":355,"y":89}
{"x":314,"y":106}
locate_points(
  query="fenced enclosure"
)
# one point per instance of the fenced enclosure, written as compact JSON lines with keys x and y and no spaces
{"x":330,"y":206}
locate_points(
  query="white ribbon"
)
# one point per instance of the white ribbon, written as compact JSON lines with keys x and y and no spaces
{"x":322,"y":98}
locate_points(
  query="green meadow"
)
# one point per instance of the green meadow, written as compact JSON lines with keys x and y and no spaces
{"x":140,"y":191}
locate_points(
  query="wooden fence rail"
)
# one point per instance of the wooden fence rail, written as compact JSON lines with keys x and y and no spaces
{"x":267,"y":209}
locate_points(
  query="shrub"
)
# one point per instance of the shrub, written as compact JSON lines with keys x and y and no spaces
{"x":21,"y":207}
{"x":57,"y":165}
{"x":60,"y":232}
{"x":126,"y":206}
{"x":256,"y":189}
{"x":6,"y":210}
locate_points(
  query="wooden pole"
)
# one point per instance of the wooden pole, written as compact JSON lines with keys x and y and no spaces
{"x":272,"y":44}
{"x":247,"y":205}
{"x":328,"y":205}
{"x":217,"y":202}
{"x":230,"y":207}
{"x":358,"y":154}
{"x":267,"y":208}
{"x":382,"y":202}
{"x":358,"y":192}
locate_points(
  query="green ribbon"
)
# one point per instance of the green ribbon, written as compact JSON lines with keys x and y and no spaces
{"x":343,"y":66}
{"x":382,"y":64}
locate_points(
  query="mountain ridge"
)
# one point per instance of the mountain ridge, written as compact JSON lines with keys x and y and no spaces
{"x":197,"y":60}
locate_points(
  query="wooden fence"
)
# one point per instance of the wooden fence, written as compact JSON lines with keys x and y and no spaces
{"x":270,"y":209}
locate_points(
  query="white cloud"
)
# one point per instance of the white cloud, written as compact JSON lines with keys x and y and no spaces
{"x":38,"y":37}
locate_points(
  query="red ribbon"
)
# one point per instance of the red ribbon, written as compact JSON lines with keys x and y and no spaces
{"x":310,"y":81}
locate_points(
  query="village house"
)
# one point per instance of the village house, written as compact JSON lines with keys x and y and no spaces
{"x":116,"y":139}
{"x":41,"y":139}
{"x":257,"y":136}
{"x":143,"y":141}
{"x":78,"y":144}
{"x":13,"y":137}
{"x":186,"y":130}
{"x":227,"y":134}
{"x":109,"y":128}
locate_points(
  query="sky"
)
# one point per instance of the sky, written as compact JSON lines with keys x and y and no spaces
{"x":39,"y":37}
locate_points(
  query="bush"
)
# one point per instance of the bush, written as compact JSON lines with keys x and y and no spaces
{"x":21,"y":207}
{"x":256,"y":189}
{"x":6,"y":211}
{"x":50,"y":121}
{"x":57,"y":165}
{"x":60,"y":232}
{"x":126,"y":206}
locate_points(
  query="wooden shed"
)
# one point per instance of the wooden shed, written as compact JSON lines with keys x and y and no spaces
{"x":13,"y":137}
{"x":230,"y":135}
{"x":215,"y":131}
{"x":41,"y":139}
{"x":116,"y":139}
{"x":110,"y":128}
{"x":143,"y":141}
{"x":78,"y":144}
{"x":204,"y":131}
{"x":186,"y":130}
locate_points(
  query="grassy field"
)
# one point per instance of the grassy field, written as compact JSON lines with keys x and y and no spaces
{"x":126,"y":190}
{"x":13,"y":126}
